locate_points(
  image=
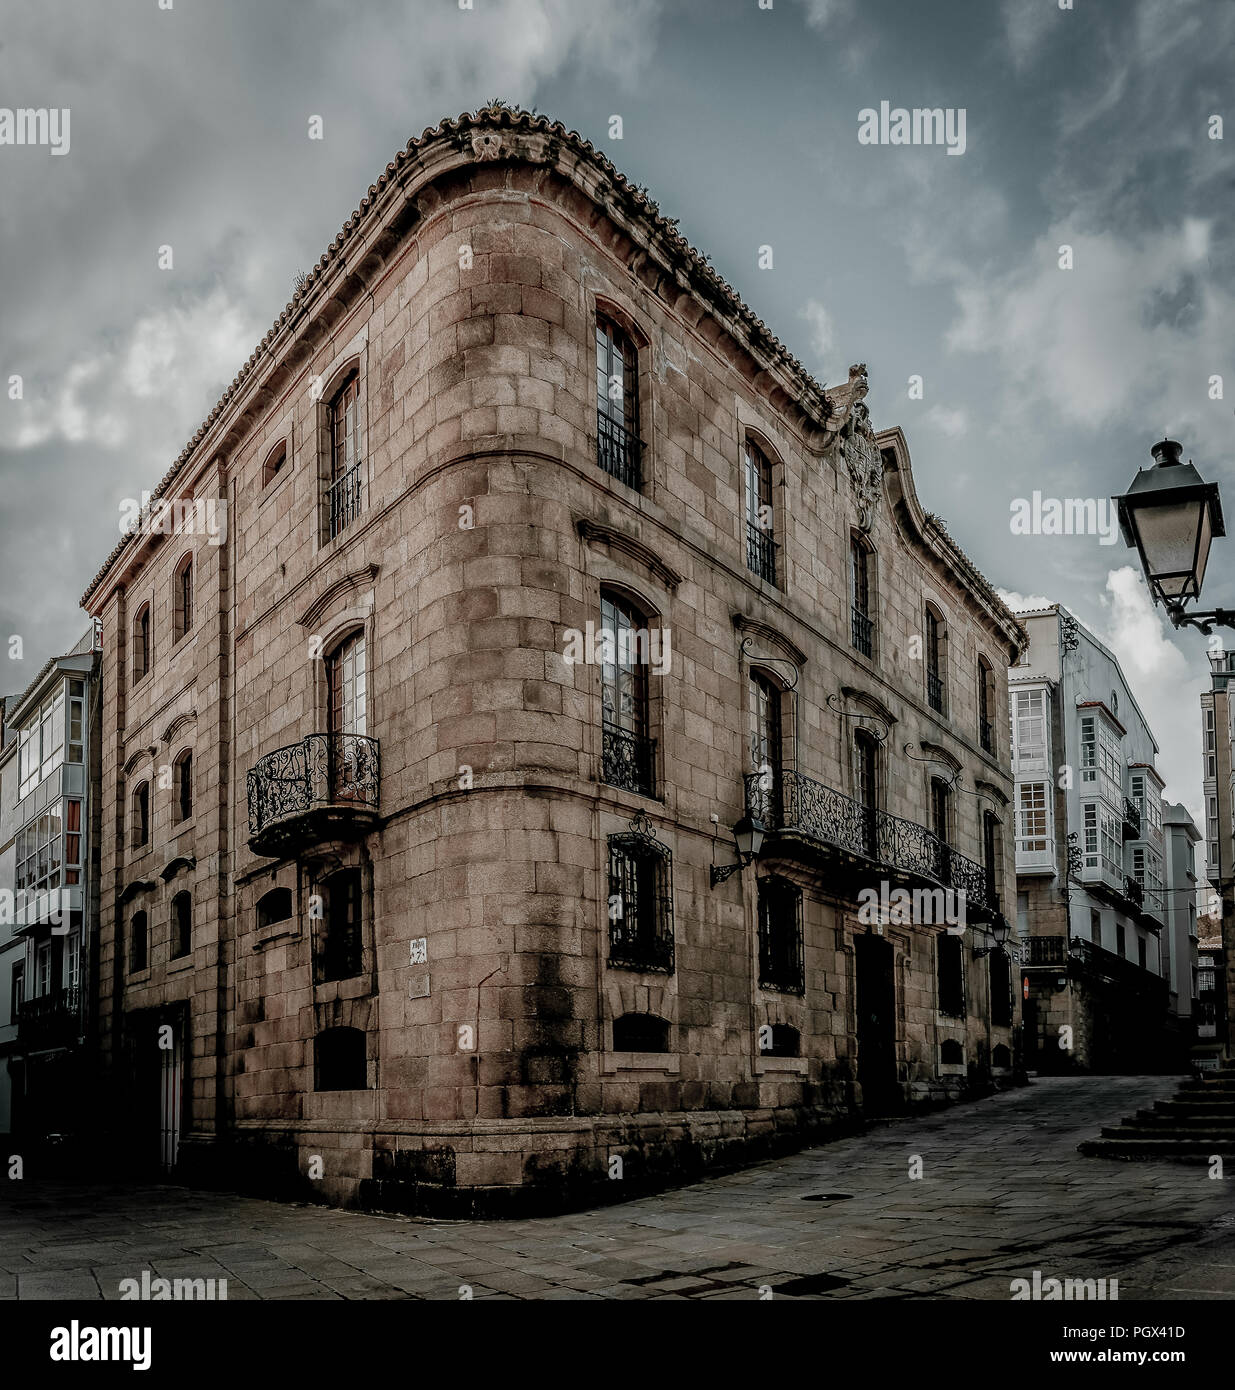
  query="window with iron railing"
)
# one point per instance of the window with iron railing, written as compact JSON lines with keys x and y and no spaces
{"x":861,"y":623}
{"x":780,"y":936}
{"x":346,"y":499}
{"x":619,"y":450}
{"x":760,"y":540}
{"x":640,"y":904}
{"x":627,"y":750}
{"x":934,"y":660}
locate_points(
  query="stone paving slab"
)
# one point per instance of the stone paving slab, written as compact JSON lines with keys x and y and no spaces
{"x":1003,"y":1192}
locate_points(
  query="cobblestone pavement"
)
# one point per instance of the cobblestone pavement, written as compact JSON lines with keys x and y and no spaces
{"x":1003,"y":1192}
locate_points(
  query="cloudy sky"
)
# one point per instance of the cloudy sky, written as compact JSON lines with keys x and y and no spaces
{"x":1088,"y":128}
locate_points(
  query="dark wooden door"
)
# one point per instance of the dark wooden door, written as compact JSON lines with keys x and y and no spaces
{"x":876,"y":1003}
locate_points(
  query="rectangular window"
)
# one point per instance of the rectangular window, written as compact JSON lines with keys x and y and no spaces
{"x":346,"y":468}
{"x":1121,"y":940}
{"x":951,"y":975}
{"x":1031,"y":817}
{"x":1029,"y":730}
{"x":618,"y":447}
{"x":17,"y":990}
{"x":41,"y":743}
{"x":780,"y":936}
{"x":340,"y":944}
{"x":640,"y":903}
{"x":862,"y":619}
{"x":1095,"y":927}
{"x":760,"y":539}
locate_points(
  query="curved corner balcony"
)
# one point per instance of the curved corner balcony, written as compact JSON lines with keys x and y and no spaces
{"x":323,"y":788}
{"x":858,"y":845}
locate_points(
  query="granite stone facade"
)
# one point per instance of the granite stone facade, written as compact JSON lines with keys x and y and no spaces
{"x":455,"y":939}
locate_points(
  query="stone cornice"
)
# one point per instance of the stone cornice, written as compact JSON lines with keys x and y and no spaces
{"x":593,"y":533}
{"x":753,"y":627}
{"x":355,"y":582}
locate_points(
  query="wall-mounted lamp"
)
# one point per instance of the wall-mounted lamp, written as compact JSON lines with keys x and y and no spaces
{"x":1000,"y":929}
{"x":748,"y":837}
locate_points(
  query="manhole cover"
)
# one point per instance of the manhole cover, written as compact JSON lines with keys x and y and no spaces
{"x":829,"y":1197}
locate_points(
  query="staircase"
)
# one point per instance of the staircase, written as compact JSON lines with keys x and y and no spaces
{"x":1198,"y":1122}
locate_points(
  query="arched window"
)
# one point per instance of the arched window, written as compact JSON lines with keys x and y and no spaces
{"x":627,"y":749}
{"x":618,"y":447}
{"x":182,"y":925}
{"x":140,"y":815}
{"x":1001,"y":1057}
{"x":760,"y":531}
{"x":182,"y":784}
{"x":935,"y":636}
{"x":986,"y":705}
{"x":951,"y":1053}
{"x":274,"y":906}
{"x":275,"y":460}
{"x":340,"y":940}
{"x":183,"y":587}
{"x":640,"y":1033}
{"x":141,"y":643}
{"x":139,"y":943}
{"x":346,"y":469}
{"x":861,"y":594}
{"x":339,"y":1060}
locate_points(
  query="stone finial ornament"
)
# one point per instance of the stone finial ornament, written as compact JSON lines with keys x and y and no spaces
{"x":486,"y":144}
{"x":850,"y":433}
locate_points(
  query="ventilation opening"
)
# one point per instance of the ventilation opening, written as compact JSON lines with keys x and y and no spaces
{"x":640,"y":1033}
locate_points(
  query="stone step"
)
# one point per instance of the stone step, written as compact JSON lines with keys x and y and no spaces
{"x":1215,"y":1102}
{"x":1223,"y":1084}
{"x":1183,"y":1150}
{"x":1137,"y":1131}
{"x":1204,"y":1119}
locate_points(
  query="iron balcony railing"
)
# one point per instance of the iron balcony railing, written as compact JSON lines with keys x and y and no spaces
{"x":1134,"y":892}
{"x":1131,"y":820}
{"x":619,"y":452}
{"x":861,"y":630}
{"x":346,"y":499}
{"x":628,"y":760}
{"x":1044,"y":950}
{"x":794,"y":802}
{"x":760,"y":552}
{"x":50,"y":1020}
{"x":340,"y":771}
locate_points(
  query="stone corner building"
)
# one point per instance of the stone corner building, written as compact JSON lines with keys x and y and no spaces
{"x":545,"y":564}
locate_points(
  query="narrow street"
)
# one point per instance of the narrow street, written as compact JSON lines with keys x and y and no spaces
{"x":1003,"y":1192}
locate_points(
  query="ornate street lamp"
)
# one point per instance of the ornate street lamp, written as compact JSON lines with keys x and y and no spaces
{"x":1170,"y":515}
{"x":748,"y":838}
{"x":1000,"y":929}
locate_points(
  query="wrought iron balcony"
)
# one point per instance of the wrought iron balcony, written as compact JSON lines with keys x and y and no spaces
{"x":346,"y":499}
{"x":1134,"y":892}
{"x":1045,"y":950}
{"x":628,"y":760}
{"x":1131,"y":820}
{"x":760,"y":552}
{"x":861,"y":631}
{"x":50,"y":1021}
{"x":619,"y":452}
{"x":867,"y":842}
{"x":324,"y":787}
